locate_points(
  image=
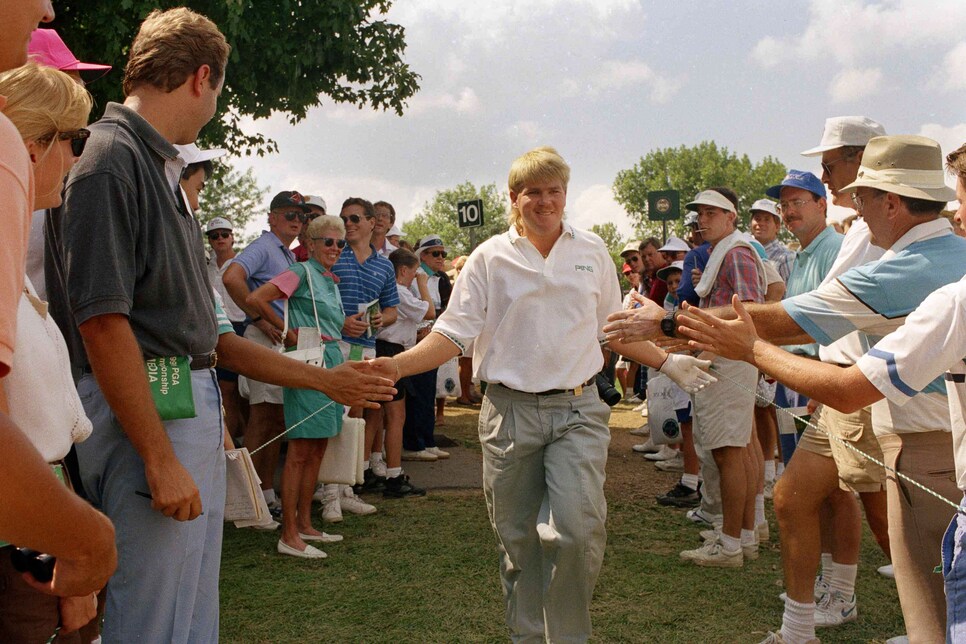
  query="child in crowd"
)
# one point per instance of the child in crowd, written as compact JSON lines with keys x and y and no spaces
{"x":392,"y":340}
{"x":672,"y":275}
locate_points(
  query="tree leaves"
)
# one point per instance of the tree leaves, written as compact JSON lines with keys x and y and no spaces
{"x":286,"y":56}
{"x":439,"y":217}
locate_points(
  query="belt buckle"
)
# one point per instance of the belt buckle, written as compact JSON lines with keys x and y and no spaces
{"x":578,"y":390}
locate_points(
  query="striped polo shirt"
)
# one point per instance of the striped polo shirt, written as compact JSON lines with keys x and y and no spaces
{"x":373,"y":279}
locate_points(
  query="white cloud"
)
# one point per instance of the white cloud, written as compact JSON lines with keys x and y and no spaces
{"x":853,"y":31}
{"x":464,"y":102}
{"x":855,"y":84}
{"x":622,"y":74}
{"x":528,"y":133}
{"x":954,"y":67}
{"x":595,"y":205}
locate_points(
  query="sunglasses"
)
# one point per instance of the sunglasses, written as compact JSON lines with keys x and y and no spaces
{"x":328,"y":242}
{"x":292,"y":215}
{"x":438,"y":253}
{"x":224,"y":234}
{"x":351,"y":218}
{"x":77,"y":138}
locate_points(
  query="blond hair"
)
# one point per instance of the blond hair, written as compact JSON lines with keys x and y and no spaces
{"x":956,"y":162}
{"x":171,"y":46}
{"x":42,"y":101}
{"x":539,"y":164}
{"x":323,"y":223}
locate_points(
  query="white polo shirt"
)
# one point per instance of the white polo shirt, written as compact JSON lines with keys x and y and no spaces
{"x":409,"y":315}
{"x":932,"y":340}
{"x":537,"y":322}
{"x":875,"y":299}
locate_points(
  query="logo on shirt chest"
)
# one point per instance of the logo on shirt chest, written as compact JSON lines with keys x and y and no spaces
{"x":585,"y":268}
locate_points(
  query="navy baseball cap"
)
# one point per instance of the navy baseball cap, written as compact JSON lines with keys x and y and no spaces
{"x":798,"y":179}
{"x":288,"y":198}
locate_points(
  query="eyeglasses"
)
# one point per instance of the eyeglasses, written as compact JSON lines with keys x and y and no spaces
{"x":77,"y":138}
{"x":383,"y":215}
{"x":827,"y":167}
{"x":351,"y":218}
{"x":312,"y":216}
{"x":438,"y":253}
{"x":292,"y":215}
{"x":328,"y":241}
{"x":784,"y":206}
{"x":860,"y":202}
{"x":224,"y":234}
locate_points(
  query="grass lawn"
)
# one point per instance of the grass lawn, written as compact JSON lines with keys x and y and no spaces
{"x":425,"y":570}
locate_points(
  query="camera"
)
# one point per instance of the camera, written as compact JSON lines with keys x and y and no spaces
{"x":606,"y":389}
{"x":38,"y":564}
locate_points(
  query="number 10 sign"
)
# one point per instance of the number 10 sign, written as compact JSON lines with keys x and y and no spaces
{"x":470,"y":213}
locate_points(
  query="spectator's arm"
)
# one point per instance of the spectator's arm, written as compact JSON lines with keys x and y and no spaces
{"x":422,"y":283}
{"x":117,"y":364}
{"x":236,"y":284}
{"x":39,"y":512}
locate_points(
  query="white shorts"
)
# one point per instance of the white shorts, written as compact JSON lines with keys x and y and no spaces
{"x":259,"y":392}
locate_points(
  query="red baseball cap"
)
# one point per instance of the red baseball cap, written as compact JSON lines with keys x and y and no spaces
{"x":47,"y":48}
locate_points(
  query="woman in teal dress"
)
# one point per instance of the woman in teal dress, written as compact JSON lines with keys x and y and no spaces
{"x":320,"y":418}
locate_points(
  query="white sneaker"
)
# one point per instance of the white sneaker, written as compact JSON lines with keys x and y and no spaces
{"x":377,"y":465}
{"x":835,"y":609}
{"x":421,"y":455}
{"x":642,"y":408}
{"x":886,"y":571}
{"x":635,"y":399}
{"x":647,"y":447}
{"x":675,"y":464}
{"x":713,"y":555}
{"x":769,"y":491}
{"x":437,"y":452}
{"x":352,"y":504}
{"x":643,"y":430}
{"x":700,"y":517}
{"x":763,"y":532}
{"x":331,"y":508}
{"x":663,"y":454}
{"x":819,"y":591}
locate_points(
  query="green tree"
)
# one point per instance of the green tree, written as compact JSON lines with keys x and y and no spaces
{"x":615,"y":243}
{"x":234,"y":195}
{"x":438,"y":217}
{"x":690,"y":170}
{"x":285,"y":54}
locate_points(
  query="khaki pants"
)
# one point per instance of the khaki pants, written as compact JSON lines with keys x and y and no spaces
{"x":550,"y":451}
{"x":917,"y":523}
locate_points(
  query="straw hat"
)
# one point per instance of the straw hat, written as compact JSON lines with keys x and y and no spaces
{"x":907,"y":165}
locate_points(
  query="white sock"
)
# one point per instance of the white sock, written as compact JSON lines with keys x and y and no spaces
{"x":779,"y":468}
{"x":748,"y":537}
{"x":368,"y":464}
{"x":375,"y":457}
{"x":759,"y":509}
{"x":393,"y":472}
{"x":798,"y":622}
{"x":827,"y":564}
{"x":770,"y":470}
{"x":843,"y":578}
{"x":730,"y":544}
{"x":690,"y":481}
{"x":269,"y":495}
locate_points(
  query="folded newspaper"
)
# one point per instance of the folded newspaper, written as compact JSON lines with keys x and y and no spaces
{"x":244,"y":501}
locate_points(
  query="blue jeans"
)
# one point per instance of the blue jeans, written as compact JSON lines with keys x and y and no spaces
{"x":166,"y":585}
{"x":954,"y":574}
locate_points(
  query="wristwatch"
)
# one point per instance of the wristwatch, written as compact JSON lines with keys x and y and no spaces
{"x":668,"y":326}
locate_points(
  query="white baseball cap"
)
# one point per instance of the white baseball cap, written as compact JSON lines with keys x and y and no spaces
{"x":663,"y":273}
{"x":632,"y":246}
{"x":766,"y":205}
{"x":191,"y":153}
{"x":318,"y":202}
{"x":690,"y":218}
{"x":218,"y":223}
{"x":841,"y":131}
{"x":394,"y":231}
{"x":674,"y":245}
{"x":711,"y":198}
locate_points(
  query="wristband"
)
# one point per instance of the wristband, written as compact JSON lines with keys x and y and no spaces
{"x":257,"y":318}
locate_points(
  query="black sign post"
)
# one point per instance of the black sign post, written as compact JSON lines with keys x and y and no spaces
{"x":663,"y":206}
{"x":469,"y":214}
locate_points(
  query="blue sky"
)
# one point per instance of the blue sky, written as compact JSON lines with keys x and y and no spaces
{"x":605,"y":81}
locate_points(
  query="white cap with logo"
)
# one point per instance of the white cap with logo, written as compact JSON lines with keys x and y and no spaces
{"x":766,"y":205}
{"x":218,"y":223}
{"x":841,"y":131}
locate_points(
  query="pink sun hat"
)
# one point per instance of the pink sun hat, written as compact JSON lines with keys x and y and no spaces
{"x":47,"y":48}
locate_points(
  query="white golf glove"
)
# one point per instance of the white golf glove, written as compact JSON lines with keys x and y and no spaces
{"x":688,"y":372}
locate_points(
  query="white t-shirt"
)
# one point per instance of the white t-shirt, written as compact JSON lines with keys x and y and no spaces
{"x":932,"y":340}
{"x":537,"y":321}
{"x":215,"y":274}
{"x":409,"y":314}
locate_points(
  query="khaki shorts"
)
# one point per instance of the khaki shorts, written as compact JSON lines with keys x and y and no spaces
{"x":723,"y":411}
{"x":856,"y":473}
{"x":260,"y":392}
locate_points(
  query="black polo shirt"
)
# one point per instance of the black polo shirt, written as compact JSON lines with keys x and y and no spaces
{"x":130,"y":244}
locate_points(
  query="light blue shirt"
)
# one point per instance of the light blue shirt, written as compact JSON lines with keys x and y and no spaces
{"x":811,"y":265}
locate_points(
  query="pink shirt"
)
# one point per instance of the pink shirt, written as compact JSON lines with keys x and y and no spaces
{"x":16,"y":204}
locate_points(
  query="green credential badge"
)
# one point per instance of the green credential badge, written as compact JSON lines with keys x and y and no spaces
{"x":170,"y":382}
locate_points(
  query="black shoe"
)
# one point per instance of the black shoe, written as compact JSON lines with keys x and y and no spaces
{"x":275,"y":509}
{"x":371,"y":483}
{"x":399,"y":487}
{"x":680,"y":496}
